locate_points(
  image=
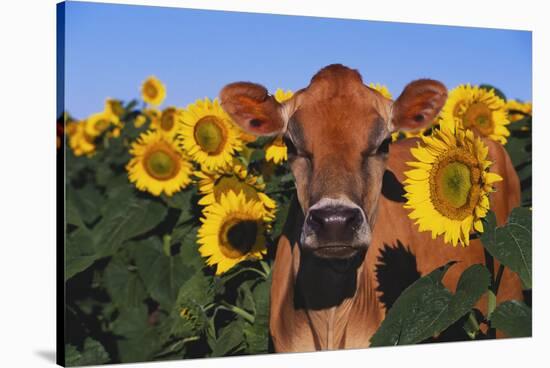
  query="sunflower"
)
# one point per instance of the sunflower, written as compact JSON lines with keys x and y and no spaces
{"x":382,"y":89}
{"x":99,"y":122}
{"x":114,"y":107}
{"x":478,"y":109}
{"x":79,"y":141}
{"x":207,"y":133}
{"x":276,"y":151}
{"x":282,"y":95}
{"x":147,"y":116}
{"x":232,"y":230}
{"x":449,"y":185}
{"x":518,"y":110}
{"x":213,"y":185}
{"x":153,"y":91}
{"x":166,"y":122}
{"x":158,"y":165}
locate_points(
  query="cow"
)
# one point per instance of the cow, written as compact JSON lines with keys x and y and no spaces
{"x":327,"y":289}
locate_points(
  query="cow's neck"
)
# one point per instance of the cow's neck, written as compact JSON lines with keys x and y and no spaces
{"x":327,"y":291}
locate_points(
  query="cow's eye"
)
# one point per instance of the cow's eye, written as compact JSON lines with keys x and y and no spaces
{"x":384,"y":147}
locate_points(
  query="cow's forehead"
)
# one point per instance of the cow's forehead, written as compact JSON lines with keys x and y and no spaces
{"x":338,"y":106}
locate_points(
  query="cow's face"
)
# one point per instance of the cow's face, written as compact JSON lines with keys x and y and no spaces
{"x":337,"y":131}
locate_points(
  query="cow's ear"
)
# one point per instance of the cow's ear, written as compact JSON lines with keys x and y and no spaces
{"x":418,"y":105}
{"x":253,"y":108}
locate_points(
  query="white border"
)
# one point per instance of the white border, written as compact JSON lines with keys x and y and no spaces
{"x":27,"y":180}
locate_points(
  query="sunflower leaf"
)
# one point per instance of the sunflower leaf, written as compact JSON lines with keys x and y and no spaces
{"x":138,"y":340}
{"x":513,"y":318}
{"x":426,"y":308}
{"x":257,"y":334}
{"x":511,"y":244}
{"x":162,"y":275}
{"x":93,"y":353}
{"x":124,"y":284}
{"x":79,"y":252}
{"x":229,"y":340}
{"x":123,"y":221}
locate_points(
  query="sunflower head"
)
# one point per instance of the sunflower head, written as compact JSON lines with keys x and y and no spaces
{"x":207,"y":133}
{"x":99,"y":122}
{"x":448,"y":188}
{"x":276,"y":151}
{"x":80,"y":142}
{"x":518,"y":110}
{"x":114,"y":107}
{"x":282,"y":95}
{"x":158,"y":165}
{"x":382,"y":89}
{"x":166,"y":122}
{"x":479,"y":110}
{"x":153,"y":91}
{"x":214,"y":184}
{"x":233,"y":230}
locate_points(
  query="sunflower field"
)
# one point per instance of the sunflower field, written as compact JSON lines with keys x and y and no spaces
{"x":172,"y":216}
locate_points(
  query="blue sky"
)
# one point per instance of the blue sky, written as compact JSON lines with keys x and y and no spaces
{"x":110,"y":49}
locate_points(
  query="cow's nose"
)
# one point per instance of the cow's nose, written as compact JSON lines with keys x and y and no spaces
{"x":335,"y":224}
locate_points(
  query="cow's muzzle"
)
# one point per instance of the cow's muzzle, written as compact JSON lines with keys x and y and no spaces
{"x":335,"y":228}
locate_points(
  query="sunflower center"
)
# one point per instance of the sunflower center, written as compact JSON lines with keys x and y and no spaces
{"x":150,"y":90}
{"x":479,"y":117}
{"x":167,"y":120}
{"x":161,"y":165}
{"x":210,"y":134}
{"x":227,"y":183}
{"x":454,"y":184}
{"x":238,"y":237}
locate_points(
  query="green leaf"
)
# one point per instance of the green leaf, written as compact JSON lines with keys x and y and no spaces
{"x":124,"y":284}
{"x":138,"y":340}
{"x":162,"y":275}
{"x":85,"y":201}
{"x":257,"y":155}
{"x":123,"y":221}
{"x":426,"y":308}
{"x":229,"y":340}
{"x":93,"y":353}
{"x":72,"y":215}
{"x":257,"y":334}
{"x":181,"y":200}
{"x":473,"y":283}
{"x":511,"y":244}
{"x":79,"y":252}
{"x":513,"y":318}
{"x":519,"y":148}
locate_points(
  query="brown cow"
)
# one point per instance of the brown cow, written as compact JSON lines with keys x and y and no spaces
{"x":327,"y":290}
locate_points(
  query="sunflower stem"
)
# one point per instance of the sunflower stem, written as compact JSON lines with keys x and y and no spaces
{"x":166,"y":240}
{"x":266,"y":268}
{"x":238,"y":311}
{"x":472,"y":326}
{"x":227,"y":278}
{"x":499,"y":277}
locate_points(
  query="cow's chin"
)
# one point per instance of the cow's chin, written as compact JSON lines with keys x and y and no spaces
{"x":336,"y":251}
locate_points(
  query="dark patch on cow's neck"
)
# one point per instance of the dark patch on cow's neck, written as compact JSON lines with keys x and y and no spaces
{"x":392,"y":188}
{"x":395,"y":271}
{"x":323,"y":283}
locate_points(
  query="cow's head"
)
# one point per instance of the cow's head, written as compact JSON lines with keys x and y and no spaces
{"x":337,"y":131}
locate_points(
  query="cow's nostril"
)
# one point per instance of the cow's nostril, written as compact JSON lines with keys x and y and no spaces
{"x":315,"y":220}
{"x":354,"y":218}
